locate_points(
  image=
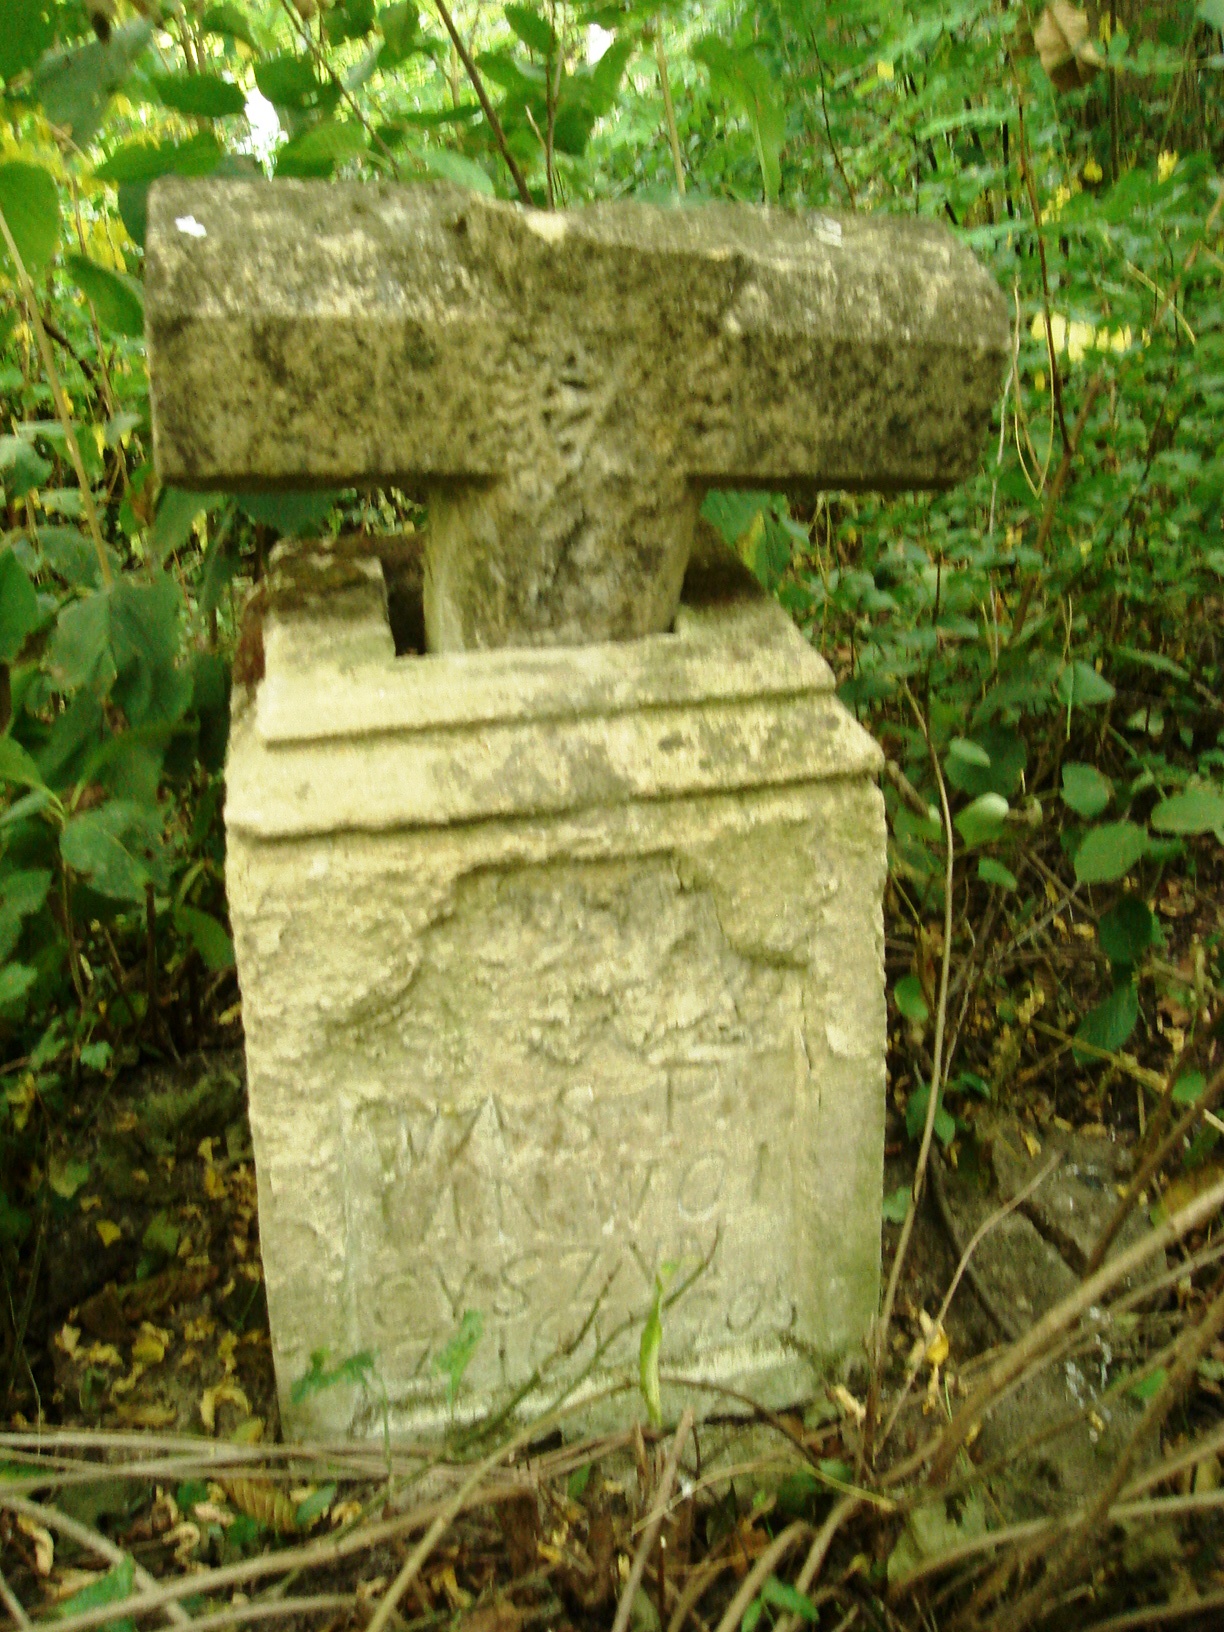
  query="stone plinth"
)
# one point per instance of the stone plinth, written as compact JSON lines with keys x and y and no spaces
{"x":558,"y":965}
{"x":563,"y":387}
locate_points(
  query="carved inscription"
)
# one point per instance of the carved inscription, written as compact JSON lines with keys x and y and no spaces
{"x":583,"y":1081}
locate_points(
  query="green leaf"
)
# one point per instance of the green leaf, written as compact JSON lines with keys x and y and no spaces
{"x":23,"y":466}
{"x":97,"y":1056}
{"x":228,"y":21}
{"x":1148,"y":1387}
{"x":113,"y":1588}
{"x":1080,"y":686}
{"x":1110,"y":1024}
{"x":19,"y":611}
{"x":455,"y":168}
{"x":457,"y":1355}
{"x":80,"y":646}
{"x":66,"y":1176}
{"x":117,"y":298}
{"x":1188,"y":1090}
{"x":401,"y":31}
{"x":27,"y":29}
{"x":741,"y":76}
{"x":533,"y":29}
{"x":288,"y":81}
{"x":198,"y":155}
{"x":648,"y":1357}
{"x":207,"y":936}
{"x":348,"y":20}
{"x":355,"y":1370}
{"x":1196,"y":810}
{"x":30,"y":201}
{"x":994,"y":872}
{"x":781,"y":1595}
{"x":292,"y":514}
{"x":896,"y":1205}
{"x":177,"y":510}
{"x":15,"y":981}
{"x":317,"y":151}
{"x":23,"y":892}
{"x":201,"y":96}
{"x":76,"y":83}
{"x":981,"y":821}
{"x":1109,"y":852}
{"x":161,"y":1236}
{"x":909,"y":999}
{"x":113,"y":848}
{"x":1127,"y":930}
{"x":314,"y":1506}
{"x":1085,"y":790}
{"x":969,"y":753}
{"x":915,"y":1116}
{"x":16,"y":766}
{"x":1212,"y":13}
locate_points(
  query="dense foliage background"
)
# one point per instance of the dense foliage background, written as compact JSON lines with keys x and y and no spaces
{"x":1043,"y":644}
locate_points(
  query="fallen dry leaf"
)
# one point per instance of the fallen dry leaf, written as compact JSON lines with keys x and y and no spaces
{"x":225,"y":1390}
{"x":1062,"y":42}
{"x":44,"y":1546}
{"x":108,"y":1232}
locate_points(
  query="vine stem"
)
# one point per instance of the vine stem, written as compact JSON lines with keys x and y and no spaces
{"x":928,"y":1129}
{"x":62,"y":406}
{"x":673,"y":135}
{"x":490,"y":113}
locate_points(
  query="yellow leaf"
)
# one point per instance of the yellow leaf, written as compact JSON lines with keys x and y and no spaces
{"x":1033,"y":1146}
{"x":225,"y":1390}
{"x":884,"y":70}
{"x":1093,"y":171}
{"x":44,"y":1547}
{"x":109,"y":1232}
{"x":1165,"y":166}
{"x":67,"y":1338}
{"x":149,"y":1350}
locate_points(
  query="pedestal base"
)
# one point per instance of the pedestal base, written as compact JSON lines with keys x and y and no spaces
{"x":561,"y":970}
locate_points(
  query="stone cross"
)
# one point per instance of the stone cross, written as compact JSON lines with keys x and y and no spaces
{"x":563,"y":387}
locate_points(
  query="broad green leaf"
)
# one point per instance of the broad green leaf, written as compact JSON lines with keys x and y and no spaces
{"x":969,"y":753}
{"x":1085,"y":790}
{"x":15,"y":981}
{"x":292,"y":514}
{"x":202,"y":96}
{"x":1148,"y":1387}
{"x":1196,"y":810}
{"x":1188,"y":1090}
{"x":207,"y":936}
{"x":198,"y":155}
{"x":781,"y":1595}
{"x":113,"y":847}
{"x":314,"y":1506}
{"x":227,"y":20}
{"x":19,"y":611}
{"x":117,"y":298}
{"x":457,"y":1355}
{"x":916,"y":1113}
{"x":1110,"y":1024}
{"x":401,"y":31}
{"x":994,"y":872}
{"x":1002,"y":773}
{"x":1080,"y":686}
{"x":353,"y":1371}
{"x":317,"y":151}
{"x":66,"y":1176}
{"x":981,"y":821}
{"x":534,"y":30}
{"x":1127,"y":930}
{"x":907,"y":994}
{"x":113,"y":1588}
{"x":1108,"y":853}
{"x":16,"y":766}
{"x":177,"y":510}
{"x":27,"y":29}
{"x":80,"y":646}
{"x":455,"y":168}
{"x":648,"y":1357}
{"x":348,"y":20}
{"x":30,"y":201}
{"x":1212,"y":13}
{"x":23,"y":467}
{"x":24,"y":891}
{"x":740,"y":75}
{"x":288,"y":81}
{"x":896,"y":1205}
{"x":75,"y":83}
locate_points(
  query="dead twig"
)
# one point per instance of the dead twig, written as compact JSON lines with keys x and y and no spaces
{"x":654,"y":1523}
{"x":841,"y":1511}
{"x":760,"y":1573}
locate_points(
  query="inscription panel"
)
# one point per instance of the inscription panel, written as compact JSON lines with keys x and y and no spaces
{"x":583,"y":1080}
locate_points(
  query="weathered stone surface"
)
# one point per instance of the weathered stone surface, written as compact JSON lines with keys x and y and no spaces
{"x":557,"y":967}
{"x":564,"y":386}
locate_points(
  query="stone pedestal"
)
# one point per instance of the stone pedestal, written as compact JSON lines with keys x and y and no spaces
{"x":558,"y":966}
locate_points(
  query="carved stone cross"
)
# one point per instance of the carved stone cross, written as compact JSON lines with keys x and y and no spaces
{"x":564,"y":387}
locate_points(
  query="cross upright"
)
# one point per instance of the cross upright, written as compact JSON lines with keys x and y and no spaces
{"x":564,"y":387}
